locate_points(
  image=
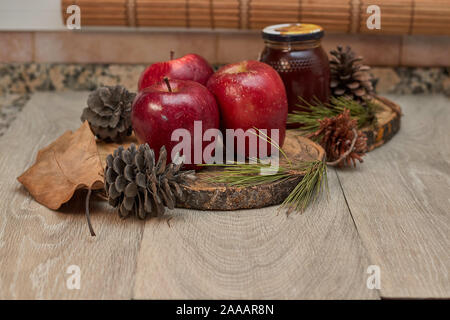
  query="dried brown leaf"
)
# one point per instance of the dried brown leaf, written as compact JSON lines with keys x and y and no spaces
{"x":70,"y":163}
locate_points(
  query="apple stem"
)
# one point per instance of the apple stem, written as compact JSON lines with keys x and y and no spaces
{"x":166,"y":80}
{"x":172,"y":53}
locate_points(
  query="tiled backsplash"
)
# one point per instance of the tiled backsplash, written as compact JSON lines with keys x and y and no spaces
{"x":217,"y":47}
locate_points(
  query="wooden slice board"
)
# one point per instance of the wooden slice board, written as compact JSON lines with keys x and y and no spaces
{"x":206,"y":195}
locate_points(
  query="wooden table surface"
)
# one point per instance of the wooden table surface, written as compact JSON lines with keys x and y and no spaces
{"x":393,"y":211}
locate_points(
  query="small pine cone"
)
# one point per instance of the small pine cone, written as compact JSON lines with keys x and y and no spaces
{"x":109,"y":113}
{"x":136,"y":183}
{"x":348,"y":76}
{"x":336,"y":135}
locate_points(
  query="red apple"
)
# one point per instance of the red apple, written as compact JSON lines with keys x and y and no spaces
{"x":190,"y":67}
{"x":174,"y":104}
{"x":250,"y":94}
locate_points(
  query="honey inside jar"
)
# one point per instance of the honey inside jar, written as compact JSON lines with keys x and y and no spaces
{"x":295,"y":51}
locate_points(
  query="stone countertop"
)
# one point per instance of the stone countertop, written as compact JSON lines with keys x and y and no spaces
{"x":10,"y":105}
{"x":30,"y":77}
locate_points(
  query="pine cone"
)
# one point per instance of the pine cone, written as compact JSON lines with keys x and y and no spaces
{"x":348,"y":76}
{"x":136,"y":183}
{"x":109,"y":113}
{"x":336,"y":135}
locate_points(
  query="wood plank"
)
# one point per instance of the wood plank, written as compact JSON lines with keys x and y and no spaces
{"x":37,"y":245}
{"x":399,"y":199}
{"x":255,"y":254}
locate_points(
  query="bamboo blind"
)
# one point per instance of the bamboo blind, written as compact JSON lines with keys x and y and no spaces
{"x":397,"y":16}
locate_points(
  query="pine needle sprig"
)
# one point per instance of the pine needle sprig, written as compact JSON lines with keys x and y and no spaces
{"x":257,"y":172}
{"x":266,"y":138}
{"x":309,"y":187}
{"x":249,"y":174}
{"x":364,"y":114}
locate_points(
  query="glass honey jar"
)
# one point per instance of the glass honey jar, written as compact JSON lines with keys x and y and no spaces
{"x":295,"y":51}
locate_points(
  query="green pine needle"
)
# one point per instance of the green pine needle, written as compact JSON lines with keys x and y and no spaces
{"x":309,"y":187}
{"x":365,"y":114}
{"x":249,"y":174}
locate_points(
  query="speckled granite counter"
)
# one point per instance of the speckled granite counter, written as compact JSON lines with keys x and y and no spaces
{"x":19,"y":80}
{"x":30,"y":77}
{"x":10,"y":105}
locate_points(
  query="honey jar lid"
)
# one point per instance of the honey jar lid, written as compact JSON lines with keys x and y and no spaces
{"x":289,"y":32}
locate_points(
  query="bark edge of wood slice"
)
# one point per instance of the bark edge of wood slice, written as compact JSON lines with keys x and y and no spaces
{"x":388,"y":125}
{"x":206,"y":195}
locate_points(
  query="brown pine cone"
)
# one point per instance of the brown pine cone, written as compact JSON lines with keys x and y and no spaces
{"x":348,"y":76}
{"x":109,"y":113}
{"x":336,"y":135}
{"x":136,"y":183}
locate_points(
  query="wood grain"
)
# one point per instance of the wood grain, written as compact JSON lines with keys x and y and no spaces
{"x":255,"y":254}
{"x":399,"y":220}
{"x":37,"y":245}
{"x":399,"y":199}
